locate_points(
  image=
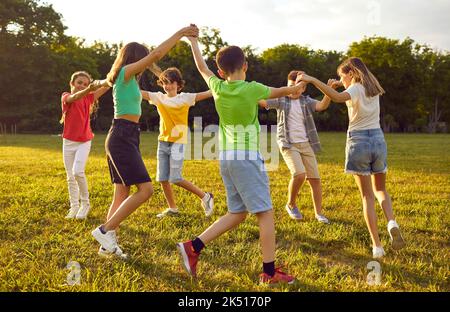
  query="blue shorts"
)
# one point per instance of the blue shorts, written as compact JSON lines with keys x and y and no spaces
{"x":365,"y":152}
{"x":170,"y":158}
{"x":246,"y":182}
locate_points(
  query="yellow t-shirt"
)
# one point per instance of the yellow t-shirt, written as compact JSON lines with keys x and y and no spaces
{"x":173,"y":113}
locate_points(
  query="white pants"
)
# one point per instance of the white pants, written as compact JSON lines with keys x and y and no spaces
{"x":75,"y":156}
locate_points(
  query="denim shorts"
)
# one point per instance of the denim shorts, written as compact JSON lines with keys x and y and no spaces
{"x":365,"y":152}
{"x":124,"y":157}
{"x":246,"y":182}
{"x":170,"y":162}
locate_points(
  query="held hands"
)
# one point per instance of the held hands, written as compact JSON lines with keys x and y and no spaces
{"x":190,"y":31}
{"x":304,"y":77}
{"x":97,"y":84}
{"x":334,"y":83}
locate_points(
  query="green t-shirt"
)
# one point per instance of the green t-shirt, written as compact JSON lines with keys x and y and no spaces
{"x":237,"y":105}
{"x":126,"y":95}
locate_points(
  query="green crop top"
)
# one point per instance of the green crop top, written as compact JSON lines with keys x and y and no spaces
{"x":126,"y":95}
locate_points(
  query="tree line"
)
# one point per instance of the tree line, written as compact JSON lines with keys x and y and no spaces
{"x":37,"y":59}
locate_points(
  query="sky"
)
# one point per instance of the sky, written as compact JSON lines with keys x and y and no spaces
{"x":319,"y":24}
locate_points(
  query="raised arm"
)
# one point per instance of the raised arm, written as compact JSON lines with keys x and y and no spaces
{"x":323,"y":105}
{"x":80,"y":94}
{"x":285,"y":91}
{"x":145,"y":95}
{"x":199,"y":61}
{"x":100,"y":87}
{"x":203,"y":95}
{"x":155,"y":69}
{"x":337,"y":97}
{"x":155,"y":55}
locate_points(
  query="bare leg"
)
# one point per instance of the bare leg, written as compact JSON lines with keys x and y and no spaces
{"x":379,"y":189}
{"x":191,"y":188}
{"x":224,"y":224}
{"x":145,"y":190}
{"x":168,"y":194}
{"x":267,"y":235}
{"x":295,"y":184}
{"x":316,"y":194}
{"x":121,"y":192}
{"x":368,"y":199}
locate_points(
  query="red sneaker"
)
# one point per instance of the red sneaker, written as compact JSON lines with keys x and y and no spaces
{"x":279,"y":277}
{"x":189,"y":257}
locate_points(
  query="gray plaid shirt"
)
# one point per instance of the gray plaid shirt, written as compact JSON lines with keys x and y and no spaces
{"x":283,"y":106}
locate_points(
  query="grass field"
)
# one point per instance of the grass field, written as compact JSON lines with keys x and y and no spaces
{"x":36,"y":242}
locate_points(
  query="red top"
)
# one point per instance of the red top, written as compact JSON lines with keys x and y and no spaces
{"x":77,"y":124}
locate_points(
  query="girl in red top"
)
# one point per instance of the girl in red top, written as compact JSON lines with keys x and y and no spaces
{"x":77,"y":107}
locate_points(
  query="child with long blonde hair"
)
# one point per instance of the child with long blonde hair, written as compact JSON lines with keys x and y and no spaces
{"x":366,"y":150}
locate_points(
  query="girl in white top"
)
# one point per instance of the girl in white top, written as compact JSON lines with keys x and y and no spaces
{"x":366,"y":148}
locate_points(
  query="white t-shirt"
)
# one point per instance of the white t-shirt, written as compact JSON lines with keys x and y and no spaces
{"x":296,"y":131}
{"x":363,"y":111}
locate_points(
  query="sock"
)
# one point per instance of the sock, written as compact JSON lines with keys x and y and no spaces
{"x":269,"y":268}
{"x":102,"y":230}
{"x":198,"y":245}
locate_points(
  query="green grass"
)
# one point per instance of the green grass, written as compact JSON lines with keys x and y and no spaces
{"x":36,"y":242}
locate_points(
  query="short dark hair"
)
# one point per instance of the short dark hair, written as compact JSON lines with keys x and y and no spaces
{"x":171,"y":74}
{"x":293,"y":75}
{"x":230,"y":59}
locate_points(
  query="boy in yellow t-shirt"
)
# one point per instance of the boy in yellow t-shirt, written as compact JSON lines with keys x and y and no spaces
{"x":173,"y":109}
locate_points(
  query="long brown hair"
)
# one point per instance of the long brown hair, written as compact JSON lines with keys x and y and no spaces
{"x":362,"y":75}
{"x":128,"y":54}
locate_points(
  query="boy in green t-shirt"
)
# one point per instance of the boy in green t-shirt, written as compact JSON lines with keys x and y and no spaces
{"x":241,"y":165}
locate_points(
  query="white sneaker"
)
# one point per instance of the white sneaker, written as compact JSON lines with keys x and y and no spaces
{"x":168,"y":212}
{"x":72,"y":212}
{"x":322,"y":219}
{"x":118,"y":252}
{"x":208,"y":204}
{"x":107,"y":240}
{"x":294,"y":212}
{"x":396,"y":237}
{"x":83,"y":212}
{"x":378,"y":252}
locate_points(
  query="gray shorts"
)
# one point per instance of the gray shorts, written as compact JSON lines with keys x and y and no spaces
{"x":170,"y":162}
{"x":246,"y":182}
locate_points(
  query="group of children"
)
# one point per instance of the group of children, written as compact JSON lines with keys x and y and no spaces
{"x":241,"y":166}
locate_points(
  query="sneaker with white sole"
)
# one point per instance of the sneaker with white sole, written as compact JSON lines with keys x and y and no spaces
{"x":168,"y":212}
{"x":396,"y":237}
{"x":118,"y":252}
{"x":72,"y":212}
{"x":208,"y":204}
{"x":294,"y":213}
{"x":322,"y":219}
{"x":84,"y":210}
{"x":108,"y":240}
{"x":378,"y":252}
